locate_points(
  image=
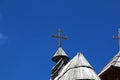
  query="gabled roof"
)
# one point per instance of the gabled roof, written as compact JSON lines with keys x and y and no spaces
{"x":59,"y":53}
{"x":114,"y":62}
{"x":77,"y":68}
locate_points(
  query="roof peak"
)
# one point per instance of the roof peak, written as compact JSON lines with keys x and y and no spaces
{"x":59,"y":53}
{"x":81,"y":60}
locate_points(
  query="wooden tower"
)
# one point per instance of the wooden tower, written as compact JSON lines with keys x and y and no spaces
{"x":60,"y":57}
{"x":112,"y":70}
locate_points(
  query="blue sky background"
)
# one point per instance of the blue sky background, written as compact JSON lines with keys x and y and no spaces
{"x":26,"y":26}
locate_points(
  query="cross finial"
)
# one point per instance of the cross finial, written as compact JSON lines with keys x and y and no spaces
{"x":117,"y":37}
{"x":60,"y":37}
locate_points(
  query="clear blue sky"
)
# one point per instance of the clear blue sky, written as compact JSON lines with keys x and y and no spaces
{"x":26,"y":26}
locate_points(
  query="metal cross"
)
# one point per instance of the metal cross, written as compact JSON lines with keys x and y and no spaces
{"x":60,"y":37}
{"x":117,"y":37}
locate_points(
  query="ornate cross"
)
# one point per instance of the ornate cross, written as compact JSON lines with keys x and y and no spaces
{"x":117,"y":37}
{"x":60,"y":37}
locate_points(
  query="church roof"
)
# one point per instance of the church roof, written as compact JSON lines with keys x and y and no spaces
{"x":59,"y":53}
{"x":114,"y":62}
{"x":77,"y":68}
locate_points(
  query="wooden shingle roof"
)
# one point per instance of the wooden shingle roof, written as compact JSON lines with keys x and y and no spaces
{"x":77,"y":68}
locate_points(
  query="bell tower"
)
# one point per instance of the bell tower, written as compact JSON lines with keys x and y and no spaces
{"x":60,"y":57}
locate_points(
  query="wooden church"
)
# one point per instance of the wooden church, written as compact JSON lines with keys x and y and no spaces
{"x":79,"y":68}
